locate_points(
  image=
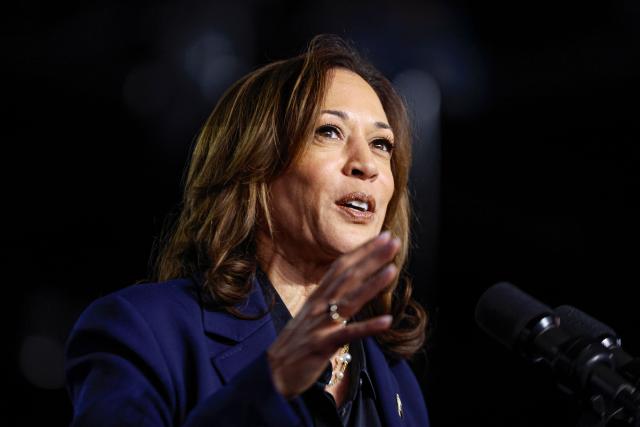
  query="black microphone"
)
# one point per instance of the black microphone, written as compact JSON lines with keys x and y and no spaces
{"x":577,"y":322}
{"x":582,"y":366}
{"x":521,"y":323}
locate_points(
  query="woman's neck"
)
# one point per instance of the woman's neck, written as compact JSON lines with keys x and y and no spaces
{"x":293,"y":277}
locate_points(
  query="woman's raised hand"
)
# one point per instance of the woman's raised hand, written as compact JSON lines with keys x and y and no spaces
{"x":302,"y":350}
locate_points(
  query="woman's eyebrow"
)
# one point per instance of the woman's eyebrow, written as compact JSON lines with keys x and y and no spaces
{"x":345,"y":116}
{"x":341,"y":114}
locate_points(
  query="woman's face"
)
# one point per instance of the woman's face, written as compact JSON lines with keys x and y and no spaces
{"x":335,"y":197}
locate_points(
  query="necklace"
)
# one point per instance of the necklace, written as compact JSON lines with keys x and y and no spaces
{"x":337,"y":374}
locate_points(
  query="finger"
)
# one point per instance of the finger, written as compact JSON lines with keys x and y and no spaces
{"x":361,"y":271}
{"x":352,"y":302}
{"x":314,"y":314}
{"x":347,"y":260}
{"x":303,"y":324}
{"x":357,"y":330}
{"x":318,"y":317}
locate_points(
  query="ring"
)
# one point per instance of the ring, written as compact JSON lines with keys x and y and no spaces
{"x":332,"y":309}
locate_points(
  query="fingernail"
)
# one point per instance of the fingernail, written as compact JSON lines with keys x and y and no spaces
{"x":385,"y":320}
{"x":384,"y":236}
{"x":391,"y":268}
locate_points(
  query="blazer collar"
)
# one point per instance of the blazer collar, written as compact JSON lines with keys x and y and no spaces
{"x":247,"y":339}
{"x":243,"y":341}
{"x":225,"y":325}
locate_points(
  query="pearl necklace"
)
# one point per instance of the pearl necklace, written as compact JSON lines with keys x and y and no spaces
{"x":337,"y":374}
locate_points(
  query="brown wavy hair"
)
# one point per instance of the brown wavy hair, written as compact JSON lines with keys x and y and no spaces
{"x":257,"y":129}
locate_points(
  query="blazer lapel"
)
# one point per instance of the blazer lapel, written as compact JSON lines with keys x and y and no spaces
{"x":385,"y":384}
{"x":239,"y":342}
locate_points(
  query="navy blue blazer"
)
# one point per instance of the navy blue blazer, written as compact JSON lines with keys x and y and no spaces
{"x":155,"y":355}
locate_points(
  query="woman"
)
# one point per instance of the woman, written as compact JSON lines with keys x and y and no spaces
{"x":281,"y":301}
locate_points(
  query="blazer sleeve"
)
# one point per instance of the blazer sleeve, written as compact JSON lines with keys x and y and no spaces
{"x":117,"y":376}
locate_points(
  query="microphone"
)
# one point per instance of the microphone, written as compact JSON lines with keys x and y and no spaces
{"x":577,"y":322}
{"x":582,"y":366}
{"x":506,"y":313}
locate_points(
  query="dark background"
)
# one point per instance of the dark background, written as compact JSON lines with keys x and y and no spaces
{"x":525,"y":168}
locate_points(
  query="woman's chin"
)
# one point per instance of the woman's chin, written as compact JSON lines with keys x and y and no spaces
{"x":348,"y":240}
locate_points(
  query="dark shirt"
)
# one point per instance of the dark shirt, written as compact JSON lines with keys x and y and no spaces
{"x":359,"y":408}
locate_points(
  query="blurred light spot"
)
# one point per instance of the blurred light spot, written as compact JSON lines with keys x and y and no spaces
{"x":423,"y":97}
{"x":148,"y":89}
{"x":42,"y":362}
{"x":211,"y":63}
{"x":422,"y":94}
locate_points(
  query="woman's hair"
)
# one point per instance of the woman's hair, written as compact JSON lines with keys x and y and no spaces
{"x":258,"y":128}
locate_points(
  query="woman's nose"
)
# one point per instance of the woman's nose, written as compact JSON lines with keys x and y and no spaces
{"x":360,"y":161}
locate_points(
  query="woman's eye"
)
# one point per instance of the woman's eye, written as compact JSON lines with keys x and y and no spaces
{"x":329,"y":131}
{"x":383,"y":144}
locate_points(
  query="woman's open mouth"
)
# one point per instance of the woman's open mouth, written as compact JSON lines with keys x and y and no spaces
{"x":358,"y":206}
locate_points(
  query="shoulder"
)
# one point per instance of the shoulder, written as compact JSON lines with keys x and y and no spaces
{"x":154,"y":326}
{"x":137,"y":351}
{"x":145,"y":295}
{"x":157,"y":311}
{"x":153,"y":300}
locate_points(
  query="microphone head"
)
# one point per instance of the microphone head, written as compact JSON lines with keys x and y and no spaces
{"x":579,"y":323}
{"x":504,"y":311}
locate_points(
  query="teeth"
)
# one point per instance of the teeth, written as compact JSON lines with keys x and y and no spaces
{"x":357,"y":204}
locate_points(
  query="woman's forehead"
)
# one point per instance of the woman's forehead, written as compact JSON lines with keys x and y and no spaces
{"x":348,"y":92}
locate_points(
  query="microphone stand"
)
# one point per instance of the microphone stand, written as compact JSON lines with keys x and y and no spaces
{"x":600,"y":413}
{"x":613,"y":400}
{"x":586,"y":367}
